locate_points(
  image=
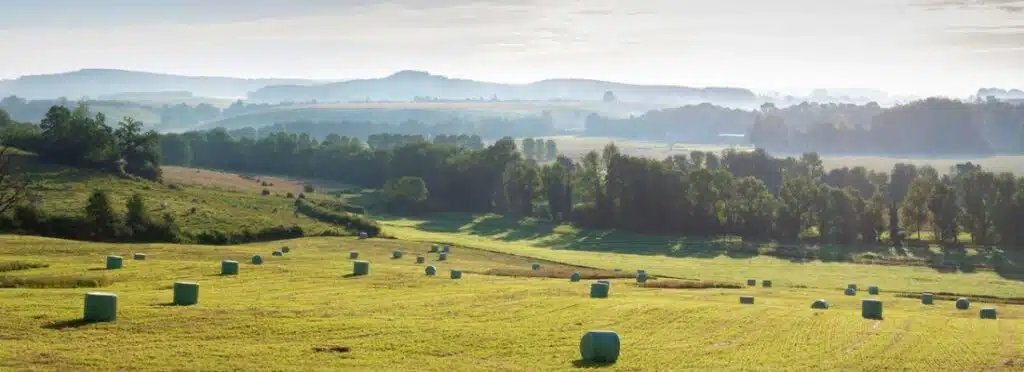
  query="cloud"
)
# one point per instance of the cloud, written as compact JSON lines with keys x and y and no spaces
{"x":1009,"y":6}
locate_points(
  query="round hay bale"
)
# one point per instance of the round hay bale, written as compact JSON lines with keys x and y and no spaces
{"x":420,"y":259}
{"x":139,"y":256}
{"x":747,"y":300}
{"x":873,"y":290}
{"x":536,"y":266}
{"x":229,"y":267}
{"x":871,"y":308}
{"x":766,"y":283}
{"x":752,"y":282}
{"x":926,"y":298}
{"x":285,"y":249}
{"x":641,"y":278}
{"x":963,"y":303}
{"x":362,"y":235}
{"x":852,"y":286}
{"x":434,"y":248}
{"x":442,"y":256}
{"x":599,"y":289}
{"x":114,"y":262}
{"x":600,"y":347}
{"x":819,"y":304}
{"x":850,"y":292}
{"x":257,"y":260}
{"x":353,"y":255}
{"x":186,"y":293}
{"x":100,"y":307}
{"x":277,"y":254}
{"x":396,"y":254}
{"x":430,"y":270}
{"x":575,"y":277}
{"x":456,"y":274}
{"x":360,"y":268}
{"x":447,"y":248}
{"x":988,"y":313}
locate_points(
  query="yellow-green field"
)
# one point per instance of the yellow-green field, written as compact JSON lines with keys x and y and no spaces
{"x":272,"y":317}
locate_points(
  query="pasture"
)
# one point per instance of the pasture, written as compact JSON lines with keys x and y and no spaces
{"x":302,"y":311}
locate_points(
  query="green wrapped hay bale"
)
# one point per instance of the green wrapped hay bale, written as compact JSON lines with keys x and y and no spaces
{"x":926,"y":298}
{"x":747,"y":300}
{"x":100,"y":307}
{"x":420,"y":259}
{"x":852,"y":286}
{"x":396,"y":254}
{"x":229,"y":267}
{"x":988,"y":313}
{"x":353,"y":255}
{"x":277,"y":254}
{"x":442,"y":256}
{"x":186,"y":293}
{"x":963,"y":303}
{"x":873,"y":290}
{"x":819,"y":304}
{"x":456,"y":274}
{"x":114,"y":262}
{"x":434,"y":248}
{"x":536,"y":266}
{"x":641,"y":278}
{"x":599,"y":347}
{"x":257,"y":260}
{"x":575,"y":277}
{"x":447,"y":248}
{"x":360,"y":268}
{"x":599,"y":289}
{"x":430,"y":270}
{"x":766,"y":283}
{"x":850,"y":292}
{"x":139,"y":256}
{"x":871,"y":308}
{"x":285,"y":249}
{"x":752,"y":282}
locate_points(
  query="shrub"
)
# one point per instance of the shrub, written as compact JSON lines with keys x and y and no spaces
{"x":302,"y":195}
{"x":687,"y":284}
{"x":289,"y":196}
{"x":54,"y":282}
{"x":265,"y":192}
{"x":20,"y":265}
{"x":556,"y":272}
{"x":349,"y":221}
{"x":264,"y":184}
{"x":307,"y":188}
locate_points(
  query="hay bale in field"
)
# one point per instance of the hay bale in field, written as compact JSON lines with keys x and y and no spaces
{"x":442,"y":256}
{"x":599,"y":347}
{"x":819,"y":304}
{"x":100,"y":307}
{"x":766,"y":283}
{"x":114,"y":262}
{"x":447,"y":248}
{"x":873,"y":290}
{"x":186,"y":293}
{"x":871,"y":308}
{"x":430,"y":270}
{"x":850,"y":292}
{"x":536,"y":266}
{"x":396,"y":254}
{"x":434,"y":248}
{"x":285,"y":249}
{"x":229,"y":267}
{"x":641,"y":278}
{"x":747,"y":300}
{"x":353,"y":255}
{"x":139,"y":256}
{"x":599,"y":289}
{"x":420,"y":259}
{"x":575,"y":277}
{"x":988,"y":313}
{"x":360,"y":268}
{"x":456,"y":274}
{"x":963,"y":303}
{"x":257,"y":260}
{"x":926,"y":298}
{"x":277,"y":254}
{"x":852,"y":286}
{"x":752,"y":282}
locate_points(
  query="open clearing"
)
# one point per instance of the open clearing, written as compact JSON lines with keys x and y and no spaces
{"x":271,"y":317}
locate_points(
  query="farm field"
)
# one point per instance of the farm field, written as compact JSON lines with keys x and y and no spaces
{"x":302,"y":312}
{"x":577,"y":146}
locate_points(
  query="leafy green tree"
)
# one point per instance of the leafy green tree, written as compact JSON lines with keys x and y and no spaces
{"x":99,"y":214}
{"x":945,"y":212}
{"x":916,"y":204}
{"x":406,"y":194}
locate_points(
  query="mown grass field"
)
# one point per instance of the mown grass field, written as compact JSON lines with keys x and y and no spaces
{"x":272,"y":317}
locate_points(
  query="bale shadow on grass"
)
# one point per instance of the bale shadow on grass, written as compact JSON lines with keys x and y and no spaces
{"x":65,"y":324}
{"x":97,"y":269}
{"x":580,"y":363}
{"x":350,"y":275}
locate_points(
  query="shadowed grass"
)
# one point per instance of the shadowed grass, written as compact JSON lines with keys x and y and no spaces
{"x":20,"y":265}
{"x":560,"y":272}
{"x":687,"y":284}
{"x":54,"y":281}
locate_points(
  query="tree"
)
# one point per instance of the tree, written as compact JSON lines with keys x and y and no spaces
{"x":609,"y":97}
{"x":13,"y":186}
{"x":945,"y":212}
{"x":552,"y":148}
{"x":138,"y":151}
{"x":976,"y":189}
{"x":916,"y":204}
{"x":100,"y":216}
{"x":407,"y":194}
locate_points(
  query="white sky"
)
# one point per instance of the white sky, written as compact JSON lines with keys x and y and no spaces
{"x":902,"y":46}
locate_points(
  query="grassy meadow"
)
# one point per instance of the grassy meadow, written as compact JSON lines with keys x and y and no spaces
{"x":302,"y":312}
